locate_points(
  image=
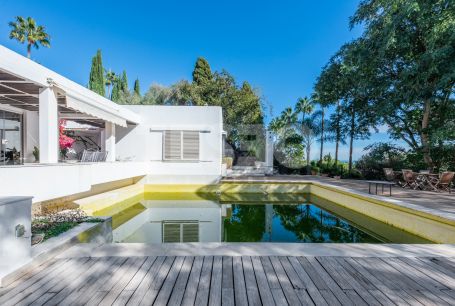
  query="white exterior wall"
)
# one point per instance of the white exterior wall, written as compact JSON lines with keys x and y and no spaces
{"x":46,"y":182}
{"x":144,"y":142}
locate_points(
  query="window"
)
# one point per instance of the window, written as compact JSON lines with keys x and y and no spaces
{"x":180,"y":231}
{"x":181,"y":145}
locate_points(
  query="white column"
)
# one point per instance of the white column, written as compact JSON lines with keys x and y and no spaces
{"x":48,"y":126}
{"x":110,"y":141}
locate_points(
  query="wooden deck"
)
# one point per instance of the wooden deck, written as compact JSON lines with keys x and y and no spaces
{"x":214,"y":280}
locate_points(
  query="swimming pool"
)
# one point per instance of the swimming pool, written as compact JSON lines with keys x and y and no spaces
{"x":299,"y":218}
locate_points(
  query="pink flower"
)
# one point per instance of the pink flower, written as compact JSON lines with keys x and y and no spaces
{"x":65,"y":141}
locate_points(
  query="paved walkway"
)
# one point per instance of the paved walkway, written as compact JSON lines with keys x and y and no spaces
{"x":444,"y":202}
{"x":245,"y":280}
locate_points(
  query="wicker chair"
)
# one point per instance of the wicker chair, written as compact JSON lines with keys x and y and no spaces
{"x":445,"y":181}
{"x":409,"y":179}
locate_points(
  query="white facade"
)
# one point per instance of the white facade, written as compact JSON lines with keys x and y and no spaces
{"x":132,"y":136}
{"x":144,"y":142}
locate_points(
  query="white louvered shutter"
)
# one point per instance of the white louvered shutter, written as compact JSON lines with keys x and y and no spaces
{"x":190,"y":145}
{"x":172,"y":145}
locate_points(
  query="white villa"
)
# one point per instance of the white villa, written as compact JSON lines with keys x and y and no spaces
{"x":155,"y":143}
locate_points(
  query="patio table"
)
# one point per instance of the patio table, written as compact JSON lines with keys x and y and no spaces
{"x":382,"y":183}
{"x":427,"y":181}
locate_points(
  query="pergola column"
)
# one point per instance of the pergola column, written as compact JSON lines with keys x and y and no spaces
{"x":48,"y":126}
{"x":110,"y":141}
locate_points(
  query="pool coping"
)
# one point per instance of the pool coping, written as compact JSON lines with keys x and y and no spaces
{"x":434,"y":214}
{"x":260,"y":249}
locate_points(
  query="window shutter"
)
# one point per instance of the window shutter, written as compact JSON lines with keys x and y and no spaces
{"x":171,"y":232}
{"x":190,"y":141}
{"x":190,"y":232}
{"x":175,"y":231}
{"x":172,"y":145}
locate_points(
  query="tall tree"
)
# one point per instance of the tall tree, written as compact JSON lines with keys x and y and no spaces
{"x":123,"y":82}
{"x":26,"y":30}
{"x":96,"y":81}
{"x":409,"y":56}
{"x":202,"y":72}
{"x":137,"y":89}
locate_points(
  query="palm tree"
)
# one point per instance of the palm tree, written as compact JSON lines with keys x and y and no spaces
{"x":109,"y":80}
{"x":304,"y":106}
{"x":26,"y":30}
{"x":321,"y":114}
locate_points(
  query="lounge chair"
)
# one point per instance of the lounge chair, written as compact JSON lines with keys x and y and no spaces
{"x":409,"y":179}
{"x":90,"y":156}
{"x":389,"y":174}
{"x":445,"y":181}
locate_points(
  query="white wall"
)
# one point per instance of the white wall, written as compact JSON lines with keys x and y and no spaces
{"x":144,"y":142}
{"x":45,"y":182}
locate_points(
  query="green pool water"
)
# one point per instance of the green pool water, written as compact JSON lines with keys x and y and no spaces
{"x":163,"y":218}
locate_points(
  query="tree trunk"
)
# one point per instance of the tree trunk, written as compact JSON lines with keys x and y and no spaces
{"x":322,"y":138}
{"x":338,"y":133}
{"x":425,"y":138}
{"x":29,"y":50}
{"x":351,"y":141}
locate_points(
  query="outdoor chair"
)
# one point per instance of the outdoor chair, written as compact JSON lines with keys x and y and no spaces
{"x":445,"y":181}
{"x":389,"y":174}
{"x":409,"y":179}
{"x":424,"y":171}
{"x":91,"y":156}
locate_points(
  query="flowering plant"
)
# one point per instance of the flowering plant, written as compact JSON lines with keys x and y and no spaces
{"x":64,"y":140}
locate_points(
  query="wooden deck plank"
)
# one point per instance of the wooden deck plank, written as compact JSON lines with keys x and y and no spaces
{"x":202,"y":295}
{"x":159,"y":279}
{"x":331,"y":284}
{"x":66,"y":287}
{"x":267,"y":280}
{"x":146,"y":282}
{"x":332,"y":267}
{"x":13,"y":290}
{"x":250,"y":282}
{"x":240,"y":295}
{"x":128,"y":291}
{"x":180,"y":285}
{"x":274,"y":284}
{"x":193,"y":282}
{"x":123,"y":281}
{"x":227,"y":284}
{"x":90,"y":289}
{"x":284,"y":281}
{"x":308,"y":283}
{"x":264,"y":289}
{"x":169,"y":283}
{"x":48,"y":284}
{"x":216,"y":281}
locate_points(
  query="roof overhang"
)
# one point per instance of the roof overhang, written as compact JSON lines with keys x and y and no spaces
{"x":21,"y":81}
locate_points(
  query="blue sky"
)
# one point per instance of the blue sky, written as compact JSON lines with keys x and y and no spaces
{"x":278,"y":46}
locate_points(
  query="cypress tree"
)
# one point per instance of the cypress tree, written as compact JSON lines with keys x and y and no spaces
{"x":116,"y":90}
{"x":96,"y":78}
{"x":124,"y":82}
{"x":137,"y":89}
{"x":202,"y":72}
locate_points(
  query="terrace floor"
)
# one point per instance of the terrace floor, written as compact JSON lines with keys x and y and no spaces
{"x":443,"y":202}
{"x":236,"y":280}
